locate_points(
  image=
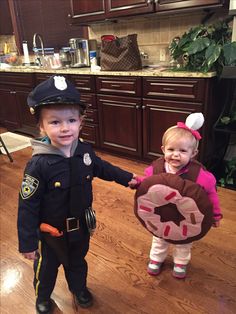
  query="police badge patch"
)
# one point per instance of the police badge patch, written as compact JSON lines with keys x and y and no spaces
{"x":87,"y":159}
{"x":60,"y":82}
{"x":29,"y":186}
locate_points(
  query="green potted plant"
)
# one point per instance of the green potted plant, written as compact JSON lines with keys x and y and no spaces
{"x":205,"y":48}
{"x":228,"y":177}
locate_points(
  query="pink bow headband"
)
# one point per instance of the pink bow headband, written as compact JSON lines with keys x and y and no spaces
{"x":195,"y":133}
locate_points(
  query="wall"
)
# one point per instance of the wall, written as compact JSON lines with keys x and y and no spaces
{"x":154,"y":32}
{"x":10,"y":39}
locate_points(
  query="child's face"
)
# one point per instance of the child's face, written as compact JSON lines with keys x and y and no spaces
{"x":178,"y":152}
{"x":62,"y":126}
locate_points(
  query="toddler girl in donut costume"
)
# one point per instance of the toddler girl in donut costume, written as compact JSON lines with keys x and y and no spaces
{"x":193,"y":200}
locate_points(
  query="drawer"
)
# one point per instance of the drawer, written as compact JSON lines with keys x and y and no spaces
{"x":40,"y":77}
{"x":89,"y":133}
{"x":84,"y":83}
{"x":17,"y":79}
{"x":188,"y":89}
{"x":89,"y":100}
{"x":131,"y":86}
{"x":91,"y":116}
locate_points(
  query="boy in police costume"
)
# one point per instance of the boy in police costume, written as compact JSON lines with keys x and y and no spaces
{"x":55,"y":216}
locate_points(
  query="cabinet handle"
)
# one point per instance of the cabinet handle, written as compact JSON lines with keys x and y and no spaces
{"x":85,"y":134}
{"x":149,"y":1}
{"x":12,"y":92}
{"x":115,"y":85}
{"x":137,"y":106}
{"x":156,"y":1}
{"x":69,"y":15}
{"x":169,"y":89}
{"x":143,"y":107}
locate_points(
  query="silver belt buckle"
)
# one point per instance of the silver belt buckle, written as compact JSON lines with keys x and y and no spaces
{"x":72,"y":224}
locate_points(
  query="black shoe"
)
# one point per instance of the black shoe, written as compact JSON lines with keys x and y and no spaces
{"x":84,"y":298}
{"x":44,"y":307}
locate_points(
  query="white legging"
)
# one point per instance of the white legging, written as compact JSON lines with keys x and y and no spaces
{"x":159,"y":251}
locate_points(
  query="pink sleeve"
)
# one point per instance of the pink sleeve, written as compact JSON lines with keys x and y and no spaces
{"x":148,"y":172}
{"x":208,"y":182}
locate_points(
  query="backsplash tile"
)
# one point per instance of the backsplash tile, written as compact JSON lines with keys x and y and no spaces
{"x":10,"y":39}
{"x":154,"y":32}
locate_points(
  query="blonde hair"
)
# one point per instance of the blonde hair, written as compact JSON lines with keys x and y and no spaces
{"x":175,"y":132}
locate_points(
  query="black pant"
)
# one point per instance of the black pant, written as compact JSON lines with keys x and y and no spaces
{"x":47,"y":264}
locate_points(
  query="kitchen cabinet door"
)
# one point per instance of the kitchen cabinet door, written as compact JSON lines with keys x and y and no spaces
{"x":120,"y":124}
{"x":86,"y":85}
{"x":9,"y":109}
{"x":14,"y":90}
{"x":158,"y":116}
{"x":117,"y":8}
{"x":85,"y":11}
{"x":5,"y":19}
{"x":48,"y":18}
{"x":165,"y":5}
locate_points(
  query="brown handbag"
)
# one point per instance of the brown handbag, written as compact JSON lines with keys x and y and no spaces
{"x":120,"y":54}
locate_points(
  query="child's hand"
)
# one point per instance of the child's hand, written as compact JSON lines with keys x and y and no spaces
{"x":216,"y":224}
{"x":135,"y":182}
{"x":31,"y":255}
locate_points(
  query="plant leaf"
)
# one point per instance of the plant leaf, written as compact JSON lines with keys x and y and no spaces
{"x":198,"y":45}
{"x":230,"y":53}
{"x":212,"y":54}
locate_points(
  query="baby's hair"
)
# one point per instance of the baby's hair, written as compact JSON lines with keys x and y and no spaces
{"x":174,"y":133}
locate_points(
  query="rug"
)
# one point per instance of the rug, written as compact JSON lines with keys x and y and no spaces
{"x":14,"y":142}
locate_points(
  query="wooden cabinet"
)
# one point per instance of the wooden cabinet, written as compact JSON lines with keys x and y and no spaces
{"x":86,"y":85}
{"x":87,"y":12}
{"x":169,"y":100}
{"x":48,"y":18}
{"x":119,"y":106}
{"x":169,"y":5}
{"x":5,"y":19}
{"x":117,"y":8}
{"x":158,"y":115}
{"x":14,"y":90}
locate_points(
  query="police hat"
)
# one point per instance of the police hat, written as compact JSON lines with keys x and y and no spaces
{"x":55,"y":90}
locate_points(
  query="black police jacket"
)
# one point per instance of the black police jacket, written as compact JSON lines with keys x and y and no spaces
{"x":46,"y":187}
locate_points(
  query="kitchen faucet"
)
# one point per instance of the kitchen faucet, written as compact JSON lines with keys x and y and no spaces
{"x":35,"y":49}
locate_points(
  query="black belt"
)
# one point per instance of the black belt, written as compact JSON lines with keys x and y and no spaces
{"x":72,"y":223}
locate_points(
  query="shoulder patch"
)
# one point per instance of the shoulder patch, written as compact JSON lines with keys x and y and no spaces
{"x":29,"y":186}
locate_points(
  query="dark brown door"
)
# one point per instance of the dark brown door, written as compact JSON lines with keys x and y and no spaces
{"x":10,"y":114}
{"x":162,"y":5}
{"x":159,"y":115}
{"x":27,"y":119}
{"x":84,"y":11}
{"x":117,"y":8}
{"x":120,"y":124}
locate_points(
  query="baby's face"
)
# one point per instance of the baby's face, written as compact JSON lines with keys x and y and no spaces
{"x":178,"y":152}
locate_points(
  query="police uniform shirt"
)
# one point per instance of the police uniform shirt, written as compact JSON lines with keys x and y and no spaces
{"x":45,"y":191}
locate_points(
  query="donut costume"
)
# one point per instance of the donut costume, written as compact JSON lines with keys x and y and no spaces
{"x":172,"y":207}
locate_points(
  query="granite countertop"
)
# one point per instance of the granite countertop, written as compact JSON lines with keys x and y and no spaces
{"x":155,"y":72}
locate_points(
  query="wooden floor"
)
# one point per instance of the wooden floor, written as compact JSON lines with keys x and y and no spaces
{"x":118,"y":257}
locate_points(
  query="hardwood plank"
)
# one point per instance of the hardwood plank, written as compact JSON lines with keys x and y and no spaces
{"x":118,"y":257}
